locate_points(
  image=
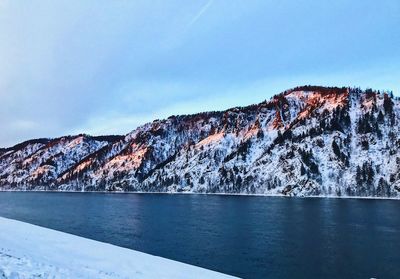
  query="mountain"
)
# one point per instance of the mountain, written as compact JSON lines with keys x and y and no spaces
{"x":306,"y":141}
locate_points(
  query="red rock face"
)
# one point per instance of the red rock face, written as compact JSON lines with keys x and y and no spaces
{"x":309,"y":102}
{"x":278,"y":123}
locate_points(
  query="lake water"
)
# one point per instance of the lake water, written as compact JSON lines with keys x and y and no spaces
{"x":251,"y":237}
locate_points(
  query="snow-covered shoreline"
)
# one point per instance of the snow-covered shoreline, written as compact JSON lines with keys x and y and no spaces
{"x":30,"y":251}
{"x":207,"y":194}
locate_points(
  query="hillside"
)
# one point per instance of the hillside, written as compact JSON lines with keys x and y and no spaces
{"x":305,"y":141}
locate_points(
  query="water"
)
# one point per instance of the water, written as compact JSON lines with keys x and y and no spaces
{"x":251,"y":237}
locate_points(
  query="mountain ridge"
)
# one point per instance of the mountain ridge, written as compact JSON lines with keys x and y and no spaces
{"x":305,"y":141}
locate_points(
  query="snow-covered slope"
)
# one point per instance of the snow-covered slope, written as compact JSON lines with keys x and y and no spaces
{"x":305,"y":141}
{"x":37,"y":163}
{"x":28,"y":251}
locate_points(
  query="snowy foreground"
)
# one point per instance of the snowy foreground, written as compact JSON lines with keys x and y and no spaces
{"x":29,"y":251}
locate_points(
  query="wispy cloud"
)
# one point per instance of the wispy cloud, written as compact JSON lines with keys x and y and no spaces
{"x":200,"y":13}
{"x":68,"y":66}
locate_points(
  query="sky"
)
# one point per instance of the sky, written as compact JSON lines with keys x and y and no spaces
{"x":107,"y":67}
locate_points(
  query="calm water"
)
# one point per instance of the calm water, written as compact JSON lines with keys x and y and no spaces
{"x":251,"y":237}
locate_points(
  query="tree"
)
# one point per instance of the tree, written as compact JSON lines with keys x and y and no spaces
{"x":359,"y":178}
{"x":302,"y":170}
{"x":380,"y":117}
{"x":336,"y":148}
{"x":365,"y":144}
{"x":383,"y":189}
{"x":364,"y":125}
{"x":387,"y":104}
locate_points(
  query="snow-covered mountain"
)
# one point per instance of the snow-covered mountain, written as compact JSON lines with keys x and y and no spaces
{"x":305,"y":141}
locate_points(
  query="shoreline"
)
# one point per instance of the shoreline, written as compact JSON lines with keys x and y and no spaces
{"x":206,"y":194}
{"x":30,"y":251}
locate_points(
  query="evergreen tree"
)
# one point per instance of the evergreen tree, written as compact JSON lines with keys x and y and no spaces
{"x":380,"y":117}
{"x":336,"y":148}
{"x":359,"y":178}
{"x":302,"y":170}
{"x":388,"y":104}
{"x":383,"y":189}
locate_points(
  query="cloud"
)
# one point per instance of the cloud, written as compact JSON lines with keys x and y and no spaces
{"x":140,"y":108}
{"x":69,"y":66}
{"x":200,"y":13}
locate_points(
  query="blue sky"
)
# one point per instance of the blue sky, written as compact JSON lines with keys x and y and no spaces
{"x":105,"y":67}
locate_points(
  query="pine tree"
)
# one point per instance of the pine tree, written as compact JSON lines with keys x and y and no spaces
{"x":380,"y":117}
{"x":359,"y":178}
{"x":365,"y":144}
{"x":302,"y":170}
{"x":336,"y":148}
{"x":388,"y":104}
{"x":383,"y":189}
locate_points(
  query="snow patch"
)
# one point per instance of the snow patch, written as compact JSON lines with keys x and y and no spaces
{"x":29,"y":251}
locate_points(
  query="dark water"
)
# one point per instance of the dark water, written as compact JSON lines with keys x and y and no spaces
{"x":251,"y":237}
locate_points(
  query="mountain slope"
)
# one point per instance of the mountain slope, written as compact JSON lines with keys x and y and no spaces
{"x":305,"y":141}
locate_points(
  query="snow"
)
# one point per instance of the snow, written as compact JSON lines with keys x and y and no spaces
{"x":29,"y":251}
{"x":233,"y":151}
{"x":211,"y":139}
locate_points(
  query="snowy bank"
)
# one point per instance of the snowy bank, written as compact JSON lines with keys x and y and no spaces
{"x":29,"y":251}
